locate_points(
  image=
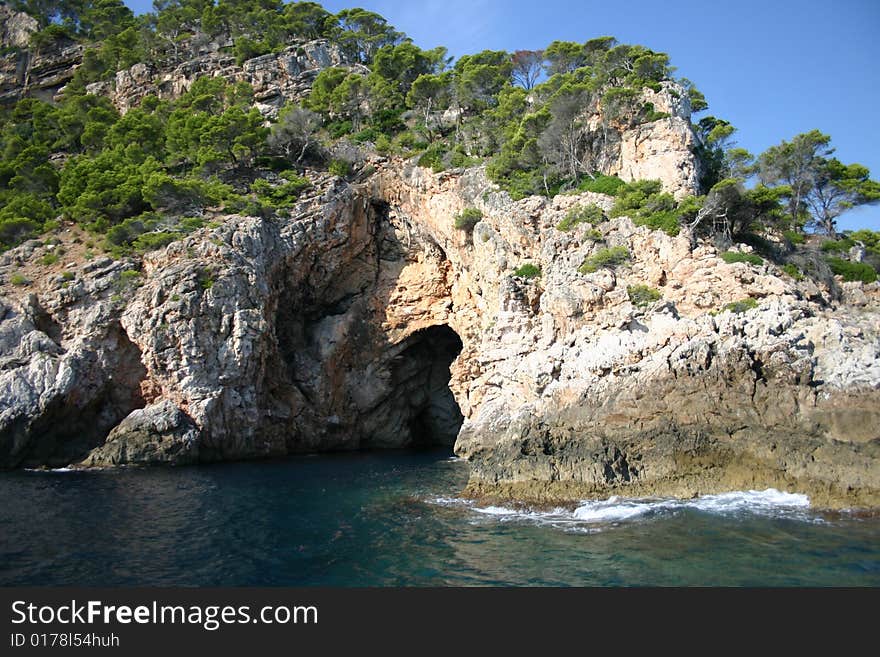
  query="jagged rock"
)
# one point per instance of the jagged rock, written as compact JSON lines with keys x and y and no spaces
{"x":339,"y":327}
{"x":24,"y":71}
{"x":276,"y":78}
{"x":661,"y":150}
{"x":16,"y":27}
{"x":159,"y":433}
{"x":581,"y":394}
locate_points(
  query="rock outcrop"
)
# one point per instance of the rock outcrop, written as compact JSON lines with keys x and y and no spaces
{"x":367,"y":319}
{"x":570,"y":390}
{"x":27,"y":71}
{"x":276,"y":78}
{"x":159,"y":433}
{"x":16,"y":27}
{"x":664,"y":149}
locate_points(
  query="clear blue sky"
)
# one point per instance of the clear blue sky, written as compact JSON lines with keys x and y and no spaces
{"x":772,"y":68}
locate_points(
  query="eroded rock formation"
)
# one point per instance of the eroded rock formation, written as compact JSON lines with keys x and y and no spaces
{"x":341,"y":327}
{"x":664,"y":149}
{"x":276,"y":78}
{"x":570,"y":390}
{"x":366,"y":319}
{"x":28,"y":71}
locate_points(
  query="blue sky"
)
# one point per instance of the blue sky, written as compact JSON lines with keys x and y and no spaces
{"x":772,"y":68}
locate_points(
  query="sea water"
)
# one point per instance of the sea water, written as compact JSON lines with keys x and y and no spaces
{"x":395,"y":519}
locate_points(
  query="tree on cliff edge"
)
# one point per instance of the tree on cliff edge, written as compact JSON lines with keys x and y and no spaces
{"x":822,"y":187}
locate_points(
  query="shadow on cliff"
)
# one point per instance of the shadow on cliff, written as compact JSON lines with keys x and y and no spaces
{"x":75,"y":422}
{"x":342,"y":382}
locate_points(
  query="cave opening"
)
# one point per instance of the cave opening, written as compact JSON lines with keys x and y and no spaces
{"x":422,"y":375}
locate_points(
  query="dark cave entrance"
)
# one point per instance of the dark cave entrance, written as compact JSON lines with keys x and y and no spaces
{"x":422,"y":375}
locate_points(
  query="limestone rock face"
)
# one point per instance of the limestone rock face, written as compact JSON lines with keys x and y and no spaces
{"x":68,"y":371}
{"x":569,"y":390}
{"x":276,"y":78}
{"x":366,"y":319}
{"x":16,"y":27}
{"x":159,"y":433}
{"x":24,"y":71}
{"x":663,"y":149}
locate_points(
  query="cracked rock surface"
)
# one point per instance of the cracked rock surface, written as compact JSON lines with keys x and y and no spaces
{"x":365,"y":319}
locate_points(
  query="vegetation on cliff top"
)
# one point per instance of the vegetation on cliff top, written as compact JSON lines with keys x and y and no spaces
{"x":543,"y":121}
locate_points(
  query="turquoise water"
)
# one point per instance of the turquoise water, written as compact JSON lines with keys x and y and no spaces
{"x":392,"y":519}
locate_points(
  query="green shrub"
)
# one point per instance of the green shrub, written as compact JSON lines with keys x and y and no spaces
{"x":272,"y":162}
{"x":852,"y":271}
{"x":365,"y":135}
{"x":18,"y":280}
{"x":68,"y":276}
{"x":632,"y":197}
{"x":642,"y":295}
{"x":283,"y":195}
{"x":409,"y":140}
{"x":649,"y":114}
{"x":245,"y":49}
{"x":741,"y":306}
{"x":602,"y":184}
{"x":647,"y":205}
{"x":152,"y":241}
{"x":49,"y":259}
{"x":665,"y":221}
{"x":467,"y":219}
{"x":528,"y":270}
{"x":521,"y":184}
{"x":432,"y":158}
{"x":838,"y":246}
{"x":792,"y":270}
{"x":383,"y":144}
{"x":341,"y":168}
{"x":130,"y":278}
{"x":731,"y":257}
{"x":581,"y":214}
{"x":593,"y":235}
{"x":388,"y":121}
{"x":14,"y":230}
{"x":339,"y":129}
{"x":460,"y":160}
{"x":610,"y":257}
{"x":795,"y":237}
{"x":189,"y":224}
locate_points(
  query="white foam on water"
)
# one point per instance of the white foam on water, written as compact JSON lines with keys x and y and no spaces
{"x":592,"y":515}
{"x":498,"y":511}
{"x":53,"y":469}
{"x":751,"y":500}
{"x":614,"y":509}
{"x":449,"y":501}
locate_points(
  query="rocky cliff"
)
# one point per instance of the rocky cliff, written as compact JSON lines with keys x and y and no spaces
{"x":275,"y":78}
{"x":28,"y":71}
{"x":42,"y":72}
{"x":364,"y":318}
{"x":368,"y":320}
